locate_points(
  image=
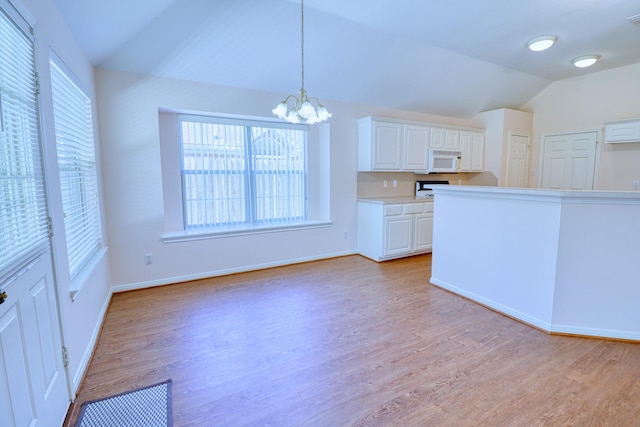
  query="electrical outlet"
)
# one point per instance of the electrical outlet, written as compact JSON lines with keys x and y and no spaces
{"x":395,"y":182}
{"x":344,"y":233}
{"x":148,"y":259}
{"x":385,"y":183}
{"x":635,"y":185}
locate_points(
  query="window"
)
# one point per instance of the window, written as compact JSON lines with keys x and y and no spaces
{"x":23,"y":209}
{"x":242,"y":174}
{"x":77,"y":168}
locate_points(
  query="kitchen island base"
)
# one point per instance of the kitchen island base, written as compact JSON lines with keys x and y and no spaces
{"x":566,"y":262}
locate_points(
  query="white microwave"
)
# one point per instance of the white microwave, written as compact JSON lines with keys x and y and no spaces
{"x":443,"y":161}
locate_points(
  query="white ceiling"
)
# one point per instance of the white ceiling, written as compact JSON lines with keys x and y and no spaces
{"x":447,"y":57}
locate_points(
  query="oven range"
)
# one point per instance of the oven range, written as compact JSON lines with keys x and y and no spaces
{"x":424,"y":188}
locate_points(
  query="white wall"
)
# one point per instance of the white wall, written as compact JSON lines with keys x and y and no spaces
{"x":81,"y":318}
{"x":128,"y":106}
{"x":584,"y":103}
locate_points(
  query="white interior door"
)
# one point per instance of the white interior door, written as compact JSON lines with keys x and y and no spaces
{"x":569,"y":160}
{"x":34,"y":387}
{"x":518,"y":161}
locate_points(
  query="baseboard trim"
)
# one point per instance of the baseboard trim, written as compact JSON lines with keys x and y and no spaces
{"x":224,"y":272}
{"x":550,"y":328}
{"x":88,"y":355}
{"x":569,"y":330}
{"x":500,"y":308}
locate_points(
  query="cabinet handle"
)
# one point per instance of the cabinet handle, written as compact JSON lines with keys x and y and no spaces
{"x":3,"y":296}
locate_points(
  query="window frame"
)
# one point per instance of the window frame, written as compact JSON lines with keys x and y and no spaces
{"x":317,"y":182}
{"x":247,"y":155}
{"x":84,"y":240}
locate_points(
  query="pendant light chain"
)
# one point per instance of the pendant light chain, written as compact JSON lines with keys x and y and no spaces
{"x":302,"y":39}
{"x":301,"y":110}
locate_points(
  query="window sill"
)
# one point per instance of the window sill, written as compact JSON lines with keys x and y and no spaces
{"x":185,"y":236}
{"x":78,"y":282}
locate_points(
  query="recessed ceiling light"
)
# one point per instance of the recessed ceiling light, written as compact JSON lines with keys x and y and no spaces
{"x":541,"y":43}
{"x":585,"y":61}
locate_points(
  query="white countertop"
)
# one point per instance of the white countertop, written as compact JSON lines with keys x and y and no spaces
{"x":396,"y":199}
{"x":566,"y":196}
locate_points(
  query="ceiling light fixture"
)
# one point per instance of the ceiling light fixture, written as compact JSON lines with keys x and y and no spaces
{"x":585,"y":61}
{"x":302,"y":109}
{"x":541,"y":43}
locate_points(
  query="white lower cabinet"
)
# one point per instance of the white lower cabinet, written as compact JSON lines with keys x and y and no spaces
{"x":394,"y":230}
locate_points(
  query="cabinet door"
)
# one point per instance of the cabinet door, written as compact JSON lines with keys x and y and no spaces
{"x":387,"y":146}
{"x":477,"y":159}
{"x":423,"y":236}
{"x":397,"y":234}
{"x":466,"y":147}
{"x":438,"y":137}
{"x":452,"y":141}
{"x":416,"y":144}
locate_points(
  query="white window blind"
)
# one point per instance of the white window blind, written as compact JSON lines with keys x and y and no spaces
{"x":238,"y":173}
{"x":23,"y":209}
{"x":77,"y":168}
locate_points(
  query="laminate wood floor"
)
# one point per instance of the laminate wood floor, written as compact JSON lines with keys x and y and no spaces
{"x":348,"y":341}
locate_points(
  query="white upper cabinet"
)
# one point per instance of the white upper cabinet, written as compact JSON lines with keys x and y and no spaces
{"x":622,"y":131}
{"x":477,"y":158}
{"x":445,"y":139}
{"x":466,"y":147}
{"x":452,"y":141}
{"x":472,"y":147}
{"x":416,"y":144}
{"x":438,"y":138}
{"x":389,"y":146}
{"x":386,"y":150}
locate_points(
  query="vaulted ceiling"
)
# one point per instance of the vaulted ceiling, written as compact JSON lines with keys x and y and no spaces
{"x":453,"y":58}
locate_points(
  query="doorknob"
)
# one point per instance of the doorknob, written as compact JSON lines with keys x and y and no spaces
{"x":3,"y":296}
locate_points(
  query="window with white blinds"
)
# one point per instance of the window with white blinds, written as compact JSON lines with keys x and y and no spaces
{"x":242,"y":174}
{"x":77,"y":168}
{"x":23,"y":208}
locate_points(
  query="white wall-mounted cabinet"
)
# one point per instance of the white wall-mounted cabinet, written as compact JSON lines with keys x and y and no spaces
{"x":394,"y":230}
{"x":452,"y":141}
{"x":622,"y":131}
{"x":472,"y":147}
{"x":388,"y":145}
{"x":444,"y":139}
{"x":416,"y":144}
{"x":438,"y":138}
{"x":392,"y":146}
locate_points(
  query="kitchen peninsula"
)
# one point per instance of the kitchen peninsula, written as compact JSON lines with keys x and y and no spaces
{"x":565,"y":262}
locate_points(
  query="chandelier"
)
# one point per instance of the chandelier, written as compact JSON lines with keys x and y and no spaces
{"x":302,"y":109}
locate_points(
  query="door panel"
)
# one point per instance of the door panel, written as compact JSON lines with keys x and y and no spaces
{"x":16,"y":395}
{"x":44,"y":334}
{"x":387,"y":146}
{"x":424,"y":232}
{"x":398,"y":234}
{"x":569,"y":161}
{"x":579,"y":172}
{"x":416,"y":144}
{"x":556,"y":173}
